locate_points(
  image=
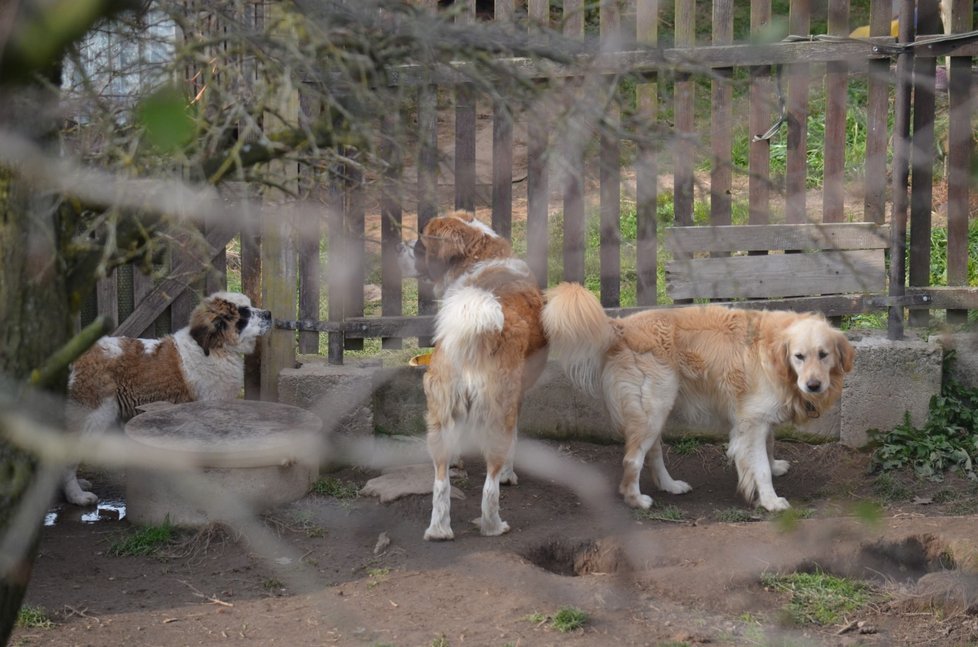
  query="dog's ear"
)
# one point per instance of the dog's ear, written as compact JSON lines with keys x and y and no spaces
{"x":207,"y":337}
{"x":845,"y":351}
{"x":779,"y":349}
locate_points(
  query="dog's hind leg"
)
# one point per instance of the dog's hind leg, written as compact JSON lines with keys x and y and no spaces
{"x":640,"y":401}
{"x":87,"y":423}
{"x":441,"y":492}
{"x":507,"y":476}
{"x":661,"y":476}
{"x":778,"y":467}
{"x":490,"y":524}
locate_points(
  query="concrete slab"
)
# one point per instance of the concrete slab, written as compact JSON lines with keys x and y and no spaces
{"x":340,"y":395}
{"x":890,"y":380}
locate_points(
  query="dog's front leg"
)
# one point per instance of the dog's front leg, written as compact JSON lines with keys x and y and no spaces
{"x":748,"y":449}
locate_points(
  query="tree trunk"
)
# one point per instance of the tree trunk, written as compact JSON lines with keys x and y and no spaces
{"x":34,"y":322}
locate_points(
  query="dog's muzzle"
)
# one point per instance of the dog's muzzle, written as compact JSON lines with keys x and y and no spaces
{"x":406,"y":260}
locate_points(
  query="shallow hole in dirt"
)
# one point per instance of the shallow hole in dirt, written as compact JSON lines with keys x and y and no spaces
{"x":903,"y":560}
{"x":572,"y":558}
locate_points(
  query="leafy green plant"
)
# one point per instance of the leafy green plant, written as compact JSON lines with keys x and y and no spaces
{"x":818,"y":598}
{"x":32,"y":617}
{"x":668,"y":513}
{"x":336,"y":488}
{"x":686,"y":445}
{"x":569,"y":619}
{"x":947,"y":440}
{"x":144,"y":541}
{"x":735,"y":515}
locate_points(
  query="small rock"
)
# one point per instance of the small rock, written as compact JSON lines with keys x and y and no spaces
{"x":383,"y":542}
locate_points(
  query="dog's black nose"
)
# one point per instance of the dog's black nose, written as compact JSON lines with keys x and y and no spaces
{"x":814,"y":386}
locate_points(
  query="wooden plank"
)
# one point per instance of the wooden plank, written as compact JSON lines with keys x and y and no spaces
{"x":107,"y":297}
{"x":877,"y":120}
{"x":777,"y":275}
{"x":391,"y":216}
{"x":959,"y":158}
{"x":830,"y":305}
{"x":721,"y":130}
{"x":743,"y":238}
{"x":251,"y":285}
{"x":309,"y":235}
{"x":465,"y":147}
{"x":336,"y":264}
{"x":677,"y":59}
{"x":502,"y":171}
{"x":836,"y":91}
{"x":760,"y":119}
{"x":502,"y":146}
{"x":539,"y":12}
{"x":538,"y":195}
{"x":355,"y":252}
{"x":574,"y":238}
{"x":181,"y":273}
{"x":684,"y":150}
{"x":610,"y":173}
{"x":646,"y":165}
{"x":142,"y":285}
{"x":798,"y":78}
{"x":922,"y":154}
{"x":427,"y":183}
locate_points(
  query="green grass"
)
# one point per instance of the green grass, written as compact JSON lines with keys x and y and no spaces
{"x":143,"y":541}
{"x":565,"y":620}
{"x":569,"y":619}
{"x":668,"y":513}
{"x":818,"y":598}
{"x":377,"y":576}
{"x":948,"y":440}
{"x":735,"y":515}
{"x":686,"y":446}
{"x":336,"y":488}
{"x":33,"y":617}
{"x":440,"y":641}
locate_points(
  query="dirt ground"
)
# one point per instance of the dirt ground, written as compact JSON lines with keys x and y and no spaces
{"x":685,"y":574}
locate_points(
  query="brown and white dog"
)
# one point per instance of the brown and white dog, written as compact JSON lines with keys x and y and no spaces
{"x":203,"y":361}
{"x":749,"y":369}
{"x":489,"y":349}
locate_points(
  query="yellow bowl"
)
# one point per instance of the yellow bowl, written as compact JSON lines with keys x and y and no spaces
{"x":420,"y":360}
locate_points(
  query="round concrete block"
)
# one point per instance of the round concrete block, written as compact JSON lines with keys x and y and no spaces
{"x":258,"y":454}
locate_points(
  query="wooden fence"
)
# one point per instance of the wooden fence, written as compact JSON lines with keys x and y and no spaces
{"x":901,"y":152}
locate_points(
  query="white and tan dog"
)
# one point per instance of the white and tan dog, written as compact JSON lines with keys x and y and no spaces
{"x":203,"y":361}
{"x":749,"y":369}
{"x":489,"y":348}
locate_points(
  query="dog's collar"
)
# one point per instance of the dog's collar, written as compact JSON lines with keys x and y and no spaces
{"x":811,"y":410}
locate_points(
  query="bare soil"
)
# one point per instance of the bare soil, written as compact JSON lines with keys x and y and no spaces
{"x":683,"y":574}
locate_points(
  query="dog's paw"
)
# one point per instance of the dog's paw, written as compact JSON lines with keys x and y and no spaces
{"x":677,"y":487}
{"x":491,"y":529}
{"x":779,"y":467}
{"x":642,"y":501}
{"x":508,"y":477}
{"x":83,"y":499}
{"x":439,"y":533}
{"x":775,"y":504}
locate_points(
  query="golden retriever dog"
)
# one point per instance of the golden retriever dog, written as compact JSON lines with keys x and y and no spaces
{"x":748,"y":369}
{"x":203,"y":361}
{"x":489,"y":348}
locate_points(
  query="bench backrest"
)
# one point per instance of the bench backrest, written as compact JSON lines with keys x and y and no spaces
{"x":776,"y":261}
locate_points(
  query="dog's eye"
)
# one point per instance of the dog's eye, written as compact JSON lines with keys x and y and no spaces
{"x":822,"y":354}
{"x":800,"y":357}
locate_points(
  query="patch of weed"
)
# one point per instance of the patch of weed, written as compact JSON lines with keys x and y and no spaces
{"x":668,"y":513}
{"x":787,"y":520}
{"x":31,"y":617}
{"x":890,"y":489}
{"x":271,"y":584}
{"x":144,"y":541}
{"x":735,"y":515}
{"x":569,"y":619}
{"x":336,"y":488}
{"x":686,"y":445}
{"x":818,"y":598}
{"x":377,"y":575}
{"x":440,"y":641}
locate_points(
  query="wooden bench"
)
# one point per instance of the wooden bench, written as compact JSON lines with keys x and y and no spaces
{"x":835,"y":268}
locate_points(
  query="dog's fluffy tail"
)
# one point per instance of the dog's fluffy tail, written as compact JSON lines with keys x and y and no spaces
{"x":579,"y":333}
{"x":466,"y":316}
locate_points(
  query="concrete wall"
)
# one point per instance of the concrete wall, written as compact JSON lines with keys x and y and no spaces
{"x":889,"y":380}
